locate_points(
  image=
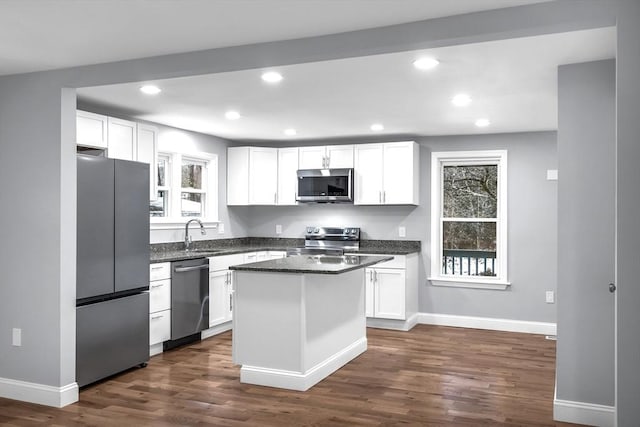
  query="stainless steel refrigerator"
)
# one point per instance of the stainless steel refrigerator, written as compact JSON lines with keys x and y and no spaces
{"x":112,"y":306}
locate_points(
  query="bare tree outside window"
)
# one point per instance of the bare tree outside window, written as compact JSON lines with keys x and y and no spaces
{"x":469,"y":219}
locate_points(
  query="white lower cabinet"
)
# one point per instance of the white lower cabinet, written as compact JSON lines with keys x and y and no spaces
{"x":220,"y":297}
{"x":391,"y":289}
{"x":159,"y":303}
{"x":276,"y":254}
{"x":159,"y":327}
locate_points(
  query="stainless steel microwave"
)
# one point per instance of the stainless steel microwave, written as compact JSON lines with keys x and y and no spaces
{"x":325,"y":185}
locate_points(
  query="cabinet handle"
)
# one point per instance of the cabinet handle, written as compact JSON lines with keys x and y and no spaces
{"x":384,"y":197}
{"x":371,"y":276}
{"x":275,"y":198}
{"x":230,"y":302}
{"x":157,"y":286}
{"x":375,"y":276}
{"x":380,"y":196}
{"x":156,"y":268}
{"x":157,"y":317}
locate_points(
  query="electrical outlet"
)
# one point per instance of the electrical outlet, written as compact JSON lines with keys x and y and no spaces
{"x":17,"y":337}
{"x":278,"y":229}
{"x":402,"y":231}
{"x":221,"y":228}
{"x":550,"y":297}
{"x":552,"y":174}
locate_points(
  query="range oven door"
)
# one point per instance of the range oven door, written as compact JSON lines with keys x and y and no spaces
{"x":325,"y":185}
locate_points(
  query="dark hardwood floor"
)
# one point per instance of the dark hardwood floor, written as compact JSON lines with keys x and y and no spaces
{"x":432,"y":375}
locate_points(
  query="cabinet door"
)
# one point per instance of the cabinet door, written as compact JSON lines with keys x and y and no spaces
{"x":287,"y":177}
{"x":368,"y":174}
{"x":400,"y":174}
{"x":122,"y":139}
{"x":218,"y":298}
{"x":340,"y":156}
{"x":389,"y":293}
{"x":159,"y":295}
{"x":159,"y":327}
{"x":263,"y":175}
{"x":250,"y":257}
{"x":262,"y":256}
{"x":147,"y":153}
{"x":368,"y":292}
{"x":277,"y":254}
{"x":311,"y":157}
{"x":237,"y":176}
{"x":91,"y":129}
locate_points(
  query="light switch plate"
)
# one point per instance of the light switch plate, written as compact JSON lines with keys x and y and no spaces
{"x":278,"y":229}
{"x":221,"y":228}
{"x":17,"y":337}
{"x":402,"y":231}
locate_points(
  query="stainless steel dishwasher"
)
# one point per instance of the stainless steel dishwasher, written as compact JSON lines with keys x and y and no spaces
{"x":189,"y":300}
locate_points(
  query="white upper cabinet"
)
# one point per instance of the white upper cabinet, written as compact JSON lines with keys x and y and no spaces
{"x":252,"y":176}
{"x":146,"y":152}
{"x":387,"y":174}
{"x":122,"y":139}
{"x":332,"y":156}
{"x":91,"y":129}
{"x":339,"y":156}
{"x":287,"y":176}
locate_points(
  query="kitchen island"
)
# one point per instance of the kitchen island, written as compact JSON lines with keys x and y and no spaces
{"x":299,"y":319}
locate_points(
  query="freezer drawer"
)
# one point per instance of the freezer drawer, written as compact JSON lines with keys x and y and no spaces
{"x":111,"y":336}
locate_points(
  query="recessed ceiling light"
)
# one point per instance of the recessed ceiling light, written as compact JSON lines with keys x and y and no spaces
{"x":272,"y":77}
{"x":425,"y":63}
{"x":290,"y":132}
{"x":150,"y":90}
{"x":482,"y":123}
{"x":377,"y":127}
{"x":232,"y":115}
{"x":461,"y":100}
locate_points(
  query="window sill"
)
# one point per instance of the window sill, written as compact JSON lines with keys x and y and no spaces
{"x":464,"y":282}
{"x":162,"y":223}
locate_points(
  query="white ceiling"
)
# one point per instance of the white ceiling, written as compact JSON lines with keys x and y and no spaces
{"x":47,"y":34}
{"x":512,"y":82}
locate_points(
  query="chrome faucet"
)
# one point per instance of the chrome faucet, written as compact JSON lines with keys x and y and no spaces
{"x":187,"y":238}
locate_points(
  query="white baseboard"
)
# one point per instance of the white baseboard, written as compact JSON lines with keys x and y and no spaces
{"x":298,"y":381}
{"x":400,"y":325}
{"x":584,"y":413}
{"x":39,"y":393}
{"x":490,"y":323}
{"x":215,"y":330}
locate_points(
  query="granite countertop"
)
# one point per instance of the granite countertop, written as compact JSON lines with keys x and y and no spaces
{"x":315,"y":264}
{"x":166,"y":252}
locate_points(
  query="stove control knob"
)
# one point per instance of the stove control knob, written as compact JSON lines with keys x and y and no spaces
{"x":316,"y":230}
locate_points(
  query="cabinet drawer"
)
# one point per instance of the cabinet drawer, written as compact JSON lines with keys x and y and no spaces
{"x":159,"y":327}
{"x":160,"y":271}
{"x":398,"y":261}
{"x":159,"y":295}
{"x":223,"y":262}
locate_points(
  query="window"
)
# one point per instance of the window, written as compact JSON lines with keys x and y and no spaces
{"x":187,"y":188}
{"x":160,"y":206}
{"x":469,"y":219}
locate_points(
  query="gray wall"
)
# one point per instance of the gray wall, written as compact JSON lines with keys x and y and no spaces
{"x":532,"y":227}
{"x":586,"y":232}
{"x":628,"y":217}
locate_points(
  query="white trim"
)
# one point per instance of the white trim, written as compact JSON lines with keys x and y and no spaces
{"x":398,"y":325}
{"x":469,"y":282}
{"x":41,"y":394}
{"x":292,"y":380}
{"x":584,"y":413}
{"x":215,"y":330}
{"x":439,"y":158}
{"x":507,"y":325}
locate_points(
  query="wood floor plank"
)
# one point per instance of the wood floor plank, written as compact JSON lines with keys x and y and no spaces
{"x":430,"y":376}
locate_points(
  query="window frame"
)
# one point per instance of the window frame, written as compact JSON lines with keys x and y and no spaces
{"x":174,"y":180}
{"x":439,"y":160}
{"x":167,"y":180}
